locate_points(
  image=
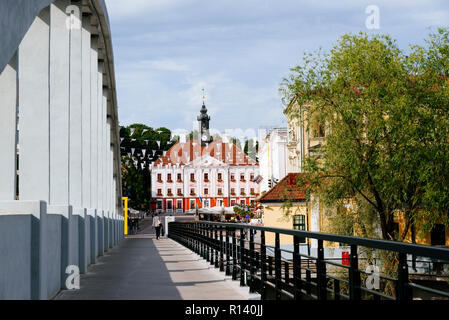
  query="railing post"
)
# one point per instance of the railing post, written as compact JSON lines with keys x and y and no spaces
{"x":336,"y":289}
{"x":270,"y":265}
{"x":251,"y":261}
{"x":211,"y":244}
{"x":321,"y":272}
{"x":200,"y":236}
{"x":221,"y":250}
{"x":286,"y":272}
{"x":217,"y":260}
{"x":197,"y":238}
{"x":403,"y":290}
{"x":242,"y":258}
{"x":207,"y":241}
{"x":354,"y":275}
{"x":228,"y":255}
{"x":263,"y":253}
{"x":296,"y":269}
{"x":308,"y":281}
{"x":277,"y":267}
{"x":234,"y":255}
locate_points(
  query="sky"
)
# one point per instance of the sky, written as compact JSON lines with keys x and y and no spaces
{"x":167,"y":51}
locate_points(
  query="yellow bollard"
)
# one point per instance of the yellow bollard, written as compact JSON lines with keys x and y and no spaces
{"x":125,"y":199}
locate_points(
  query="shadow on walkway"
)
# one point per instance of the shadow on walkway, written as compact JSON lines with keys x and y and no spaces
{"x":143,"y":268}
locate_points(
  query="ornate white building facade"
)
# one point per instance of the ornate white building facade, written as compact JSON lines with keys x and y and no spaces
{"x":205,"y":175}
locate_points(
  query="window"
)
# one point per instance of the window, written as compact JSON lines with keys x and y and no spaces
{"x":206,"y":204}
{"x":220,"y":192}
{"x":242,"y":202}
{"x":169,"y":192}
{"x":192,"y":177}
{"x":168,"y":177}
{"x":220,"y":176}
{"x":251,"y":177}
{"x":206,"y":177}
{"x":206,"y":191}
{"x":252,"y":191}
{"x":232,"y":202}
{"x":159,"y":192}
{"x":159,"y":177}
{"x":318,"y":131}
{"x":242,"y":191}
{"x":179,"y":205}
{"x":299,"y":223}
{"x":242,"y":177}
{"x":192,"y":204}
{"x":179,"y":192}
{"x":232,"y":177}
{"x":169,"y":205}
{"x":179,"y":177}
{"x":232,"y":191}
{"x":192,"y":192}
{"x":159,"y":205}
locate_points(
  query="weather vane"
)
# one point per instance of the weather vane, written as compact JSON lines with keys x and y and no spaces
{"x":204,"y":97}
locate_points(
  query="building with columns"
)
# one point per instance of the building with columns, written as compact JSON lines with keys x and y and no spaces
{"x":204,"y":174}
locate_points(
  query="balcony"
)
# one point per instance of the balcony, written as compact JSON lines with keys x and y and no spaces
{"x":169,"y":181}
{"x":179,"y":180}
{"x":169,"y":194}
{"x":242,"y":193}
{"x":159,"y":194}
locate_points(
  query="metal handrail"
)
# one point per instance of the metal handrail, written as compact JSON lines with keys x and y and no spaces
{"x":219,"y":244}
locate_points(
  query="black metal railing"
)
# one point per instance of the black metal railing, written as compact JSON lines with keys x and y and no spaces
{"x":288,"y":273}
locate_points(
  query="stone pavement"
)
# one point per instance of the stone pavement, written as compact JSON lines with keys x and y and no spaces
{"x":142,"y":267}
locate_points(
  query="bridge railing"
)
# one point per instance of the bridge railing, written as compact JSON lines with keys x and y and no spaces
{"x":242,"y":252}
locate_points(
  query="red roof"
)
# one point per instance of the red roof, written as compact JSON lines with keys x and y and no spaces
{"x":286,"y":189}
{"x":183,"y":153}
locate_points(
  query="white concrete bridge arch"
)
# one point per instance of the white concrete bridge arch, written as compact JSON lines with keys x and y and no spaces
{"x":60,"y":181}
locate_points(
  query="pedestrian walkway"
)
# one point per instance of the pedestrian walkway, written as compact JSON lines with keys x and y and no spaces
{"x":142,"y":267}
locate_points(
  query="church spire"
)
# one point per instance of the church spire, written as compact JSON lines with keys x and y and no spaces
{"x":203,"y":120}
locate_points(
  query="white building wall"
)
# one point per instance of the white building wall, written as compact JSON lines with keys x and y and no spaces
{"x":273,"y":156}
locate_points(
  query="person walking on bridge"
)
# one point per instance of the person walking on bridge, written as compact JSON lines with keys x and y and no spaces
{"x":157,"y":224}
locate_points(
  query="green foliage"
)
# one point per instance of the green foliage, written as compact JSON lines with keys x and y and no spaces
{"x":137,"y":180}
{"x":386,"y":115}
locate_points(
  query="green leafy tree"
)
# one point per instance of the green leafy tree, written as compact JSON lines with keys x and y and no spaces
{"x":137,"y":155}
{"x":386,"y":119}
